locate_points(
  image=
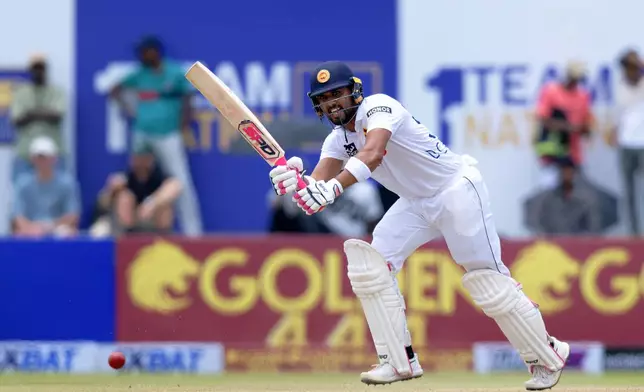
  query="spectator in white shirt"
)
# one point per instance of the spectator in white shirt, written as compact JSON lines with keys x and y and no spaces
{"x":628,"y":131}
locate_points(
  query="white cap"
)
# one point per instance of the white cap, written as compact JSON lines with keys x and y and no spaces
{"x":576,"y":69}
{"x":43,"y":145}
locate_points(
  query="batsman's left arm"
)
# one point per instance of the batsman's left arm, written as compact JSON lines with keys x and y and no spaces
{"x":315,"y":197}
{"x":360,"y":167}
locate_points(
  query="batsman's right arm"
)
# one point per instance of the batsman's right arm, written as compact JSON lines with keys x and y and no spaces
{"x":327,"y":169}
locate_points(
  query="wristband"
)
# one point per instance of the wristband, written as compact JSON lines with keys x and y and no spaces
{"x":358,"y":169}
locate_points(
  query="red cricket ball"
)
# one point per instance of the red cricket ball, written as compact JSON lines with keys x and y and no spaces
{"x":116,"y":360}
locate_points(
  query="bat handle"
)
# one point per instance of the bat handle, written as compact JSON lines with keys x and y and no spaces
{"x":301,"y":184}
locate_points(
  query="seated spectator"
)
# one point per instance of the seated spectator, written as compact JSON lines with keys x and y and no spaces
{"x":356,"y":213}
{"x":45,"y":202}
{"x":141,"y":200}
{"x":286,"y":217}
{"x":564,"y":116}
{"x":571,"y":208}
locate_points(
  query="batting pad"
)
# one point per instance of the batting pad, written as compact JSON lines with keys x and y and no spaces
{"x":373,"y":284}
{"x":502,"y":299}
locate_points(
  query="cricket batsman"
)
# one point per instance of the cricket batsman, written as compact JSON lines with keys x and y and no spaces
{"x":441,"y":194}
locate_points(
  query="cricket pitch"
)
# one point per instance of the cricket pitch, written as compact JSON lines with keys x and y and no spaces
{"x":315,"y":382}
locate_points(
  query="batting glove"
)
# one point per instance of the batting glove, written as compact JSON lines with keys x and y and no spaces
{"x":317,"y":195}
{"x":284,"y":178}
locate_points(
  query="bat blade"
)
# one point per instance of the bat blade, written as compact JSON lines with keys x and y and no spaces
{"x":236,"y":113}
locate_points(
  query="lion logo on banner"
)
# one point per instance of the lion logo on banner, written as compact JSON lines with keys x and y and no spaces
{"x":546,"y":272}
{"x":159,"y":278}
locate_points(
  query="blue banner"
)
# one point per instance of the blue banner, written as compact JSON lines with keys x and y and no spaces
{"x":10,"y":79}
{"x":57,"y":290}
{"x":263,"y":50}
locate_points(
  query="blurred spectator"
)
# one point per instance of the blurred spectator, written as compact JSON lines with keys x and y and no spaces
{"x":163,"y":112}
{"x":37,"y":109}
{"x":141,"y":200}
{"x":356,"y":213}
{"x":564,"y":116}
{"x":353,"y":215}
{"x":571,"y":208}
{"x":46,"y":201}
{"x":628,"y":131}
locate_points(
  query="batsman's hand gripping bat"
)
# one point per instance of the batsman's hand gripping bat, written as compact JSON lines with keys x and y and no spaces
{"x":238,"y":114}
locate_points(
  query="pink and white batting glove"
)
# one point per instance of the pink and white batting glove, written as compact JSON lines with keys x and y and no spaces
{"x":284,"y":178}
{"x":317,"y":195}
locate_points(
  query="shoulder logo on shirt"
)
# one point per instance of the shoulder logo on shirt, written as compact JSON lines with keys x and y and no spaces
{"x":379,"y":109}
{"x":351,"y":149}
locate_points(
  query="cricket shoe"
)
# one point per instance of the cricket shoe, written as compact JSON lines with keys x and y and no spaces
{"x":385,"y":373}
{"x":542,"y":378}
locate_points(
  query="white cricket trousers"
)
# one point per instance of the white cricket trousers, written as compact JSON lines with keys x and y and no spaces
{"x":171,"y":155}
{"x":461,"y":214}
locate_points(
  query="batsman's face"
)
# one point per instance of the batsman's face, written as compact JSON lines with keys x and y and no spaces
{"x":338,"y":105}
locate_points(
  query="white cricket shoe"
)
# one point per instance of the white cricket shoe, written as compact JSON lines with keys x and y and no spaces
{"x":385,"y":373}
{"x":543,"y":378}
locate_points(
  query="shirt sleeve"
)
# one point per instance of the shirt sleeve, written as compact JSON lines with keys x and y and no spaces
{"x":19,"y":105}
{"x":131,"y":80}
{"x":19,"y":206}
{"x":587,"y":111}
{"x":72,"y":199}
{"x":58,"y":102}
{"x":382,"y":111}
{"x":544,"y":102}
{"x":332,"y":149}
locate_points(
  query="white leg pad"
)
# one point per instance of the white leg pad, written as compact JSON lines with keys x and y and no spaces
{"x":373,"y":284}
{"x":501,"y":298}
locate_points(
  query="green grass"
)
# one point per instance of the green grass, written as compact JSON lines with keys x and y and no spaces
{"x":315,"y":382}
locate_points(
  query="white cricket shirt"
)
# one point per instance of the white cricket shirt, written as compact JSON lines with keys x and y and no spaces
{"x":416,"y":164}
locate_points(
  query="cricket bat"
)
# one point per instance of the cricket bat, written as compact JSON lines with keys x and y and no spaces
{"x":238,"y":115}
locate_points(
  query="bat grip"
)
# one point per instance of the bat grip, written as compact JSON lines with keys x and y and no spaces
{"x":301,"y":184}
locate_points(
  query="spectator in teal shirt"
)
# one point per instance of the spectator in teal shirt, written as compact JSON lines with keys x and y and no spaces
{"x":162,"y":113}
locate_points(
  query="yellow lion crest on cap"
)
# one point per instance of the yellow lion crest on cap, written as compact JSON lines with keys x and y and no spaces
{"x":324,"y":76}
